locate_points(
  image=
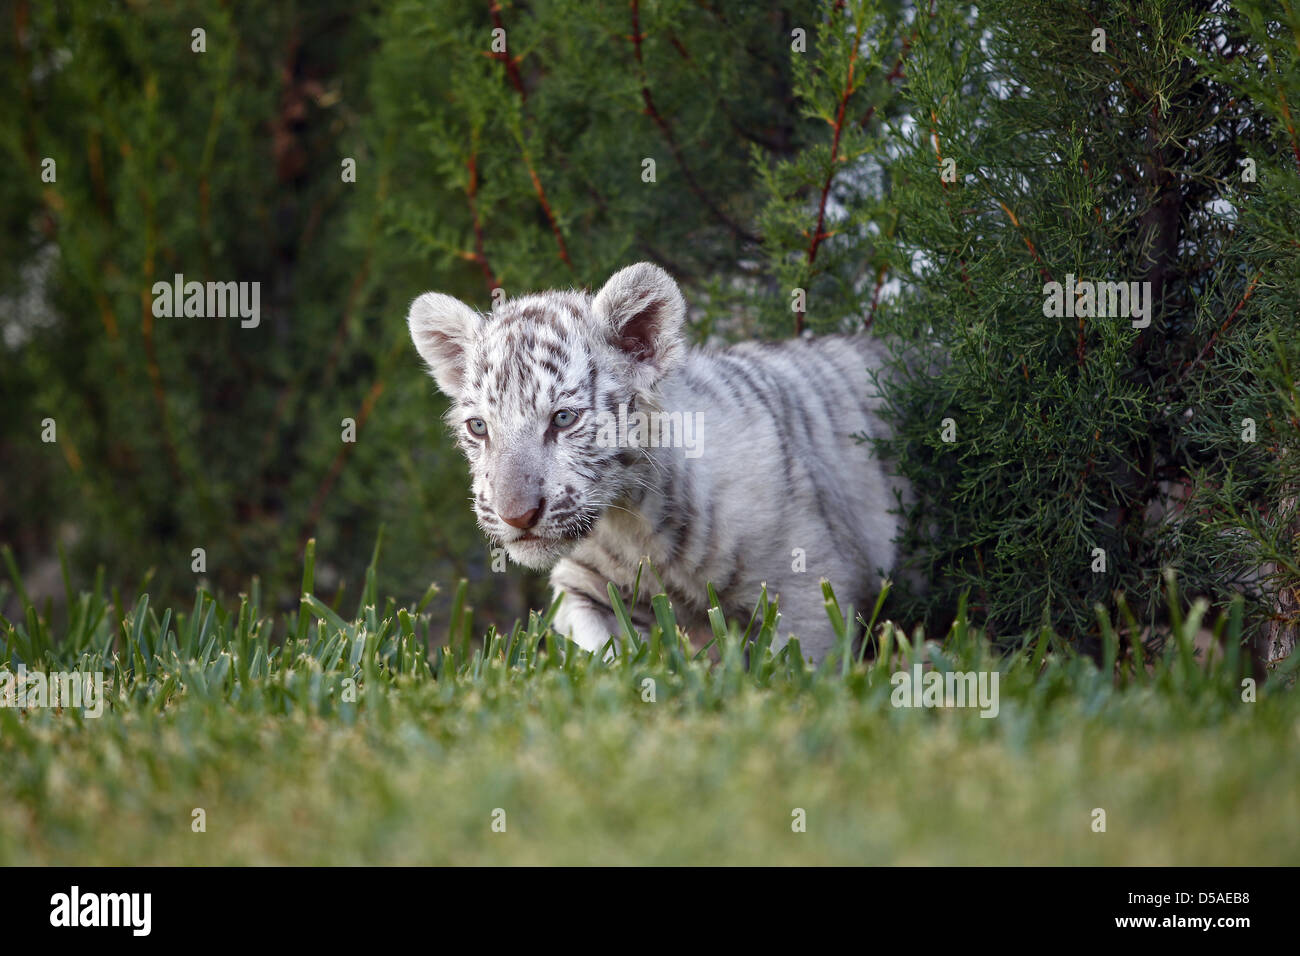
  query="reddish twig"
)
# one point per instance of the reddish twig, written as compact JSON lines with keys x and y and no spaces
{"x":1286,"y":111}
{"x":875,"y":296}
{"x":1029,"y":243}
{"x":1209,"y":346}
{"x":546,"y":207}
{"x":471,"y":193}
{"x":1080,"y":350}
{"x":512,"y":67}
{"x":896,"y":73}
{"x":818,"y":235}
{"x":1290,"y":127}
{"x":512,"y":71}
{"x":652,"y":111}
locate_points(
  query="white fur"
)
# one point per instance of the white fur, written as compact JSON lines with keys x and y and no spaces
{"x":778,"y":470}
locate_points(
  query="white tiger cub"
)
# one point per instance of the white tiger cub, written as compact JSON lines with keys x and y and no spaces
{"x":769,"y":487}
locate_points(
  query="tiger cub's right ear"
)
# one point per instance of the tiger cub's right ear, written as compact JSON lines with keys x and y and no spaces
{"x":442,"y":328}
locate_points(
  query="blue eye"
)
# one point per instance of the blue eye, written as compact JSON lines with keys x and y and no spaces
{"x":564,"y":418}
{"x":477,"y":427}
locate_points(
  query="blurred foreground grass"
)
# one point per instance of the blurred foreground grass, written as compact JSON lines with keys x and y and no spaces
{"x":249,"y":720}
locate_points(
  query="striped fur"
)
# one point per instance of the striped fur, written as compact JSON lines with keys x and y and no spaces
{"x":776,"y":471}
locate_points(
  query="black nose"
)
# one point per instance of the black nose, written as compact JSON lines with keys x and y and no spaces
{"x":527,"y":519}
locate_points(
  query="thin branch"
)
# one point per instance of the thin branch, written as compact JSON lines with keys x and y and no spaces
{"x":546,"y":205}
{"x":471,"y":193}
{"x":512,"y":67}
{"x":875,"y":295}
{"x":1209,"y":346}
{"x":512,"y":71}
{"x":652,"y":111}
{"x":815,"y":242}
{"x":897,"y":72}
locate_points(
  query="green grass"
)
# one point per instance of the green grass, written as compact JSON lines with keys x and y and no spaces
{"x":225,"y":710}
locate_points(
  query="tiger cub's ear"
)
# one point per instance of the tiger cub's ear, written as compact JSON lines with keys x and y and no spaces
{"x":442,"y":328}
{"x":642,"y":312}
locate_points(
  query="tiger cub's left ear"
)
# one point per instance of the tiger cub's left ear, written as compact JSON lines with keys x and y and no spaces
{"x":642,"y":313}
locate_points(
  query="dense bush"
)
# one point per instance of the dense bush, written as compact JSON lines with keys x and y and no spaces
{"x":1144,"y":142}
{"x":472,"y":170}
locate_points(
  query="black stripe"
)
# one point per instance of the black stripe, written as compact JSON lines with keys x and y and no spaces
{"x":741,"y":370}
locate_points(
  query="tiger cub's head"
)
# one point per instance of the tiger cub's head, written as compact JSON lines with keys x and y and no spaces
{"x":530,"y":385}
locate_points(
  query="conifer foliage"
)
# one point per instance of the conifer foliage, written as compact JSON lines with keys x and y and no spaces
{"x":1078,"y":221}
{"x":1071,"y":443}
